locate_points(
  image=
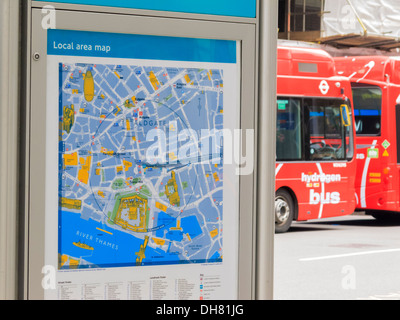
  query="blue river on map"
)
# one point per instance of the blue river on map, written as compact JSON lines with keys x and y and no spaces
{"x":117,"y":249}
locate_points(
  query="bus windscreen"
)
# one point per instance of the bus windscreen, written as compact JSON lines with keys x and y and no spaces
{"x":312,"y":129}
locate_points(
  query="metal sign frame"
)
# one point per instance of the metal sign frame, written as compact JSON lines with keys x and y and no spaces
{"x":244,"y":30}
{"x":9,"y":142}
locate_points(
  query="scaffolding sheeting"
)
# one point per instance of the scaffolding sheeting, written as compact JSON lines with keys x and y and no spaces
{"x":361,"y":23}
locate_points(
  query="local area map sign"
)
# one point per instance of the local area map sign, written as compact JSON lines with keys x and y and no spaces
{"x":141,"y":176}
{"x":116,"y":207}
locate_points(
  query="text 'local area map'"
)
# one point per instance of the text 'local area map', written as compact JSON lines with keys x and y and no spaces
{"x":116,"y":208}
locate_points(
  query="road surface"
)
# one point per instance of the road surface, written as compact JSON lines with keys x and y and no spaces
{"x":347,"y":258}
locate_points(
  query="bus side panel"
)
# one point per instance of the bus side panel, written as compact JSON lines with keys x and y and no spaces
{"x":377,"y":182}
{"x":375,"y":176}
{"x":322,"y":190}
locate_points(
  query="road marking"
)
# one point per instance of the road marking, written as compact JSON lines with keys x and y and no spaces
{"x":338,"y":256}
{"x":391,"y":296}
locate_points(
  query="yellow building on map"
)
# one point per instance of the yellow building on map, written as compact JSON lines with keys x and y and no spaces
{"x":128,"y":104}
{"x":140,"y":255}
{"x":214,"y":233}
{"x":187,"y":78}
{"x":161,"y":206}
{"x":172,"y":156}
{"x":62,"y":260}
{"x":73,"y":263}
{"x":71,"y":204}
{"x":70,"y":160}
{"x":178,"y":226}
{"x":83,"y":174}
{"x":68,"y":118}
{"x":107,"y":152}
{"x":154,"y":81}
{"x":117,"y":110}
{"x":159,"y":242}
{"x":136,"y":208}
{"x":88,"y":86}
{"x":101,"y":194}
{"x":171,"y":190}
{"x":127,"y":165}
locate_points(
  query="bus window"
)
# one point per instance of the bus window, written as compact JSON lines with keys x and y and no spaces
{"x":288,"y":133}
{"x":329,"y":139}
{"x":367,"y":109}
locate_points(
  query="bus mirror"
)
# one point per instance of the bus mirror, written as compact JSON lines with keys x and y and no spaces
{"x":345,"y":113}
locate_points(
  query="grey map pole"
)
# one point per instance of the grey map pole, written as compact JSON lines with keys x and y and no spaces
{"x":9,"y":106}
{"x":266,"y":150}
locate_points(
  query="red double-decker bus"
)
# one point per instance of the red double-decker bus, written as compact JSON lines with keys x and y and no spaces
{"x":315,"y":139}
{"x":376,"y":93}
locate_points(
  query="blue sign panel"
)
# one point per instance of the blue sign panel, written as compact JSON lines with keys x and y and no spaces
{"x":108,"y":45}
{"x":235,"y":8}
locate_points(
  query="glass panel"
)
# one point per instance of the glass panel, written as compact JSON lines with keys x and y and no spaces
{"x":282,"y":16}
{"x":368,"y":110}
{"x":297,"y":6}
{"x":297,"y":15}
{"x":313,"y":5}
{"x":329,"y":138}
{"x":296,"y":22}
{"x":313,"y":22}
{"x":288,"y":140}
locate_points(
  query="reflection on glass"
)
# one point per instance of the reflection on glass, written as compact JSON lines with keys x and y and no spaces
{"x":313,"y":130}
{"x":367,"y":110}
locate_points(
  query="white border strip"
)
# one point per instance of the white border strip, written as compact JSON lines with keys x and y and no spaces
{"x":364,"y":178}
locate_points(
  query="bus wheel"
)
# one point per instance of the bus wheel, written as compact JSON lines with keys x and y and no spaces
{"x":284,"y":211}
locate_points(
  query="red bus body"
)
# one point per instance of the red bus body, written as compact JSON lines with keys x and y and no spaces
{"x":376,"y":86}
{"x":319,"y":188}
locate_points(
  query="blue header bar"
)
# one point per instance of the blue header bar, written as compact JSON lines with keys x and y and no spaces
{"x":234,"y":8}
{"x":131,"y":46}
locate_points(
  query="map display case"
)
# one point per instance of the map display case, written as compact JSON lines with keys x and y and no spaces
{"x":142,"y":179}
